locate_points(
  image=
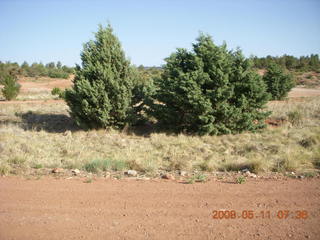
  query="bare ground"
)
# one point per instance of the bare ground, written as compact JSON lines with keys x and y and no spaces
{"x":51,"y":208}
{"x":303,"y":92}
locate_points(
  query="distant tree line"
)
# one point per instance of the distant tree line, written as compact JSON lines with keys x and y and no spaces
{"x":53,"y":70}
{"x":303,"y":63}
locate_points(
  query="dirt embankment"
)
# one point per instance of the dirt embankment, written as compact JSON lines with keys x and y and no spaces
{"x":157,"y":209}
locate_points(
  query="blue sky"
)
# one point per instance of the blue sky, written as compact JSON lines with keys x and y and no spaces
{"x":149,"y":30}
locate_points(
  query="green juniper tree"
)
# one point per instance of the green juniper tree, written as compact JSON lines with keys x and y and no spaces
{"x":209,"y":90}
{"x":102,"y":91}
{"x":278,"y":83}
{"x":11,"y":87}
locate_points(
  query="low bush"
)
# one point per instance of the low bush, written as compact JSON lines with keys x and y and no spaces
{"x":59,"y":92}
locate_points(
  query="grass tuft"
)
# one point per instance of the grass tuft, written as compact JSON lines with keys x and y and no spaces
{"x":104,"y":165}
{"x":4,"y":169}
{"x":197,"y":178}
{"x":241,"y":180}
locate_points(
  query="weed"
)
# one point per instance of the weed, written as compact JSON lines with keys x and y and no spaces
{"x":37,"y":166}
{"x":308,"y":142}
{"x":4,"y":169}
{"x":205,"y":166}
{"x":241,"y":179}
{"x":254,"y":166}
{"x":316,"y":159}
{"x":197,"y":178}
{"x":190,"y":181}
{"x":95,"y":166}
{"x":295,"y":117}
{"x":309,"y":174}
{"x":17,"y":161}
{"x":118,"y":176}
{"x":177,"y":163}
{"x":88,"y":180}
{"x":118,"y":166}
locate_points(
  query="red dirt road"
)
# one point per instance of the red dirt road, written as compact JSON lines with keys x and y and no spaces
{"x":129,"y":209}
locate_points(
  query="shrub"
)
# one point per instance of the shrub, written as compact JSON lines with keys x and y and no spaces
{"x":102,"y":90}
{"x":57,"y":73}
{"x":11,"y":87}
{"x":278,"y":83}
{"x":209,"y":90}
{"x":57,"y":91}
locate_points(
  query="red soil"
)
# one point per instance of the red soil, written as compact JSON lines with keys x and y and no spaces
{"x":156,"y":209}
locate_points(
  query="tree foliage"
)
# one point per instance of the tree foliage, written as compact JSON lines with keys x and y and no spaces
{"x":209,"y":90}
{"x":278,"y":83}
{"x":37,"y":69}
{"x":303,"y":63}
{"x":102,"y":91}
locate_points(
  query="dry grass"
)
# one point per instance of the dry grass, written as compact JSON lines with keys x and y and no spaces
{"x":43,"y":135}
{"x":307,"y":79}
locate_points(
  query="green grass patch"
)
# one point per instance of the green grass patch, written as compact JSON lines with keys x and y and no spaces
{"x":241,"y":180}
{"x":104,"y":165}
{"x":197,"y":178}
{"x":37,"y":166}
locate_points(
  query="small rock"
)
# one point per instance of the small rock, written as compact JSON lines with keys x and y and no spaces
{"x":167,"y":176}
{"x":57,"y":170}
{"x":300,"y":176}
{"x":142,"y":178}
{"x":75,"y":171}
{"x":252,"y":175}
{"x":245,"y":170}
{"x":183,"y":173}
{"x":131,"y":173}
{"x":67,"y":133}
